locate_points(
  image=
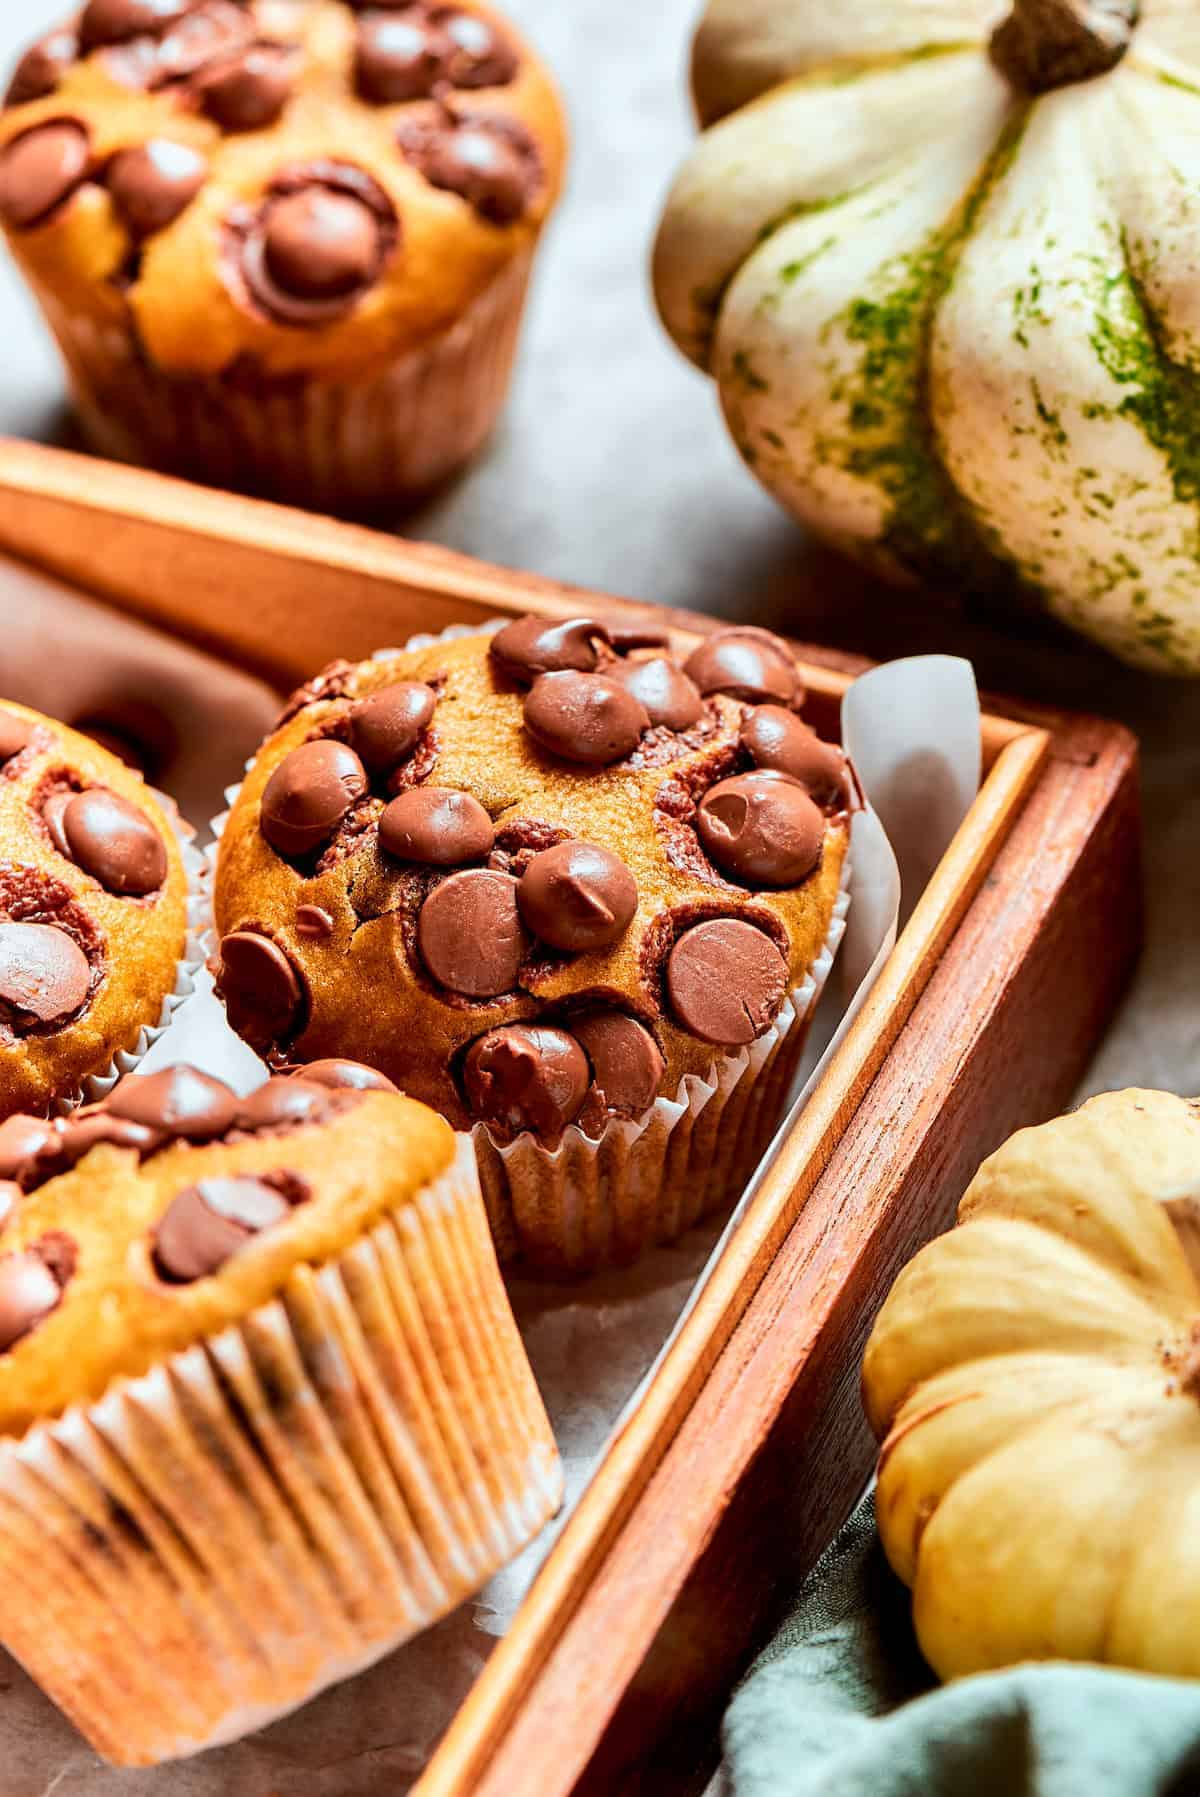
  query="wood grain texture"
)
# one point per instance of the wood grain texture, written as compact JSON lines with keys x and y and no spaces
{"x":748,"y":1447}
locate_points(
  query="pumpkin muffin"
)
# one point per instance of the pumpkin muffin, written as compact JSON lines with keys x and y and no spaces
{"x":264,"y":1412}
{"x":284,"y":244}
{"x":575,"y":894}
{"x":93,"y":913}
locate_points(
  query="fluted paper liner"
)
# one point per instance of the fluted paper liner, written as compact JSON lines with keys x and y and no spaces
{"x":354,"y":443}
{"x":210,"y":1544}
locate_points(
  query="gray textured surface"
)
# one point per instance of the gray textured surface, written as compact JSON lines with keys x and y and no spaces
{"x":612,"y":469}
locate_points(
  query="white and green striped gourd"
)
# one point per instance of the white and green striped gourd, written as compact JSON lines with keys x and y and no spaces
{"x":942,"y":258}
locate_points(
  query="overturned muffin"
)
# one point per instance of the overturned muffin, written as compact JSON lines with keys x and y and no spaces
{"x":264,"y":1412}
{"x":93,"y":910}
{"x":284,"y":244}
{"x":570,"y":891}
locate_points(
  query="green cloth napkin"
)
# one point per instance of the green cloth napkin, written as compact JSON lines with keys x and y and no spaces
{"x":841,"y":1704}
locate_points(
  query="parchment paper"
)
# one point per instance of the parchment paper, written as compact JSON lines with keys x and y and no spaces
{"x":592,"y":1346}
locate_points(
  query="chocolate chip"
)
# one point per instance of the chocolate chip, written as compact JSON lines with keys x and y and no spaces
{"x":31,"y":1286}
{"x":212,"y":30}
{"x":386,"y":727}
{"x":345,"y":1076}
{"x":527,"y":1077}
{"x":110,"y":839}
{"x":260,"y":987}
{"x":249,"y":90}
{"x":208,"y":1223}
{"x":577,"y":897}
{"x":180,"y":1101}
{"x":28,"y":1145}
{"x":625,"y":637}
{"x":437,"y":827}
{"x":116,"y":21}
{"x":319,"y":241}
{"x":399,"y":59}
{"x":313,"y":923}
{"x":42,"y":67}
{"x":531,"y":646}
{"x":726,"y":981}
{"x":585,"y":718}
{"x":10,"y":1198}
{"x":775,"y":738}
{"x":96,"y":1127}
{"x":15,"y":735}
{"x":283,"y":1101}
{"x":492,"y":164}
{"x":309,"y":794}
{"x":152,"y":184}
{"x":481,"y":56}
{"x":763,"y":828}
{"x":470,"y":935}
{"x":746,"y":663}
{"x":627,"y":1063}
{"x":43,"y":971}
{"x":669,"y":697}
{"x":40,"y":169}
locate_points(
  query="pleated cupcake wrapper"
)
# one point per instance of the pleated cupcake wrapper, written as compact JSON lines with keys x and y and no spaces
{"x":600,"y":1201}
{"x":355,"y":443}
{"x":197,"y":946}
{"x":210,"y":1544}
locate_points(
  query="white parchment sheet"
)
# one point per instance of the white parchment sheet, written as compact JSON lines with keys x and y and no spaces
{"x":912,"y":728}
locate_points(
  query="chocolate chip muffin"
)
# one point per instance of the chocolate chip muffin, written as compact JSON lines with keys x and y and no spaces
{"x":264,"y":1411}
{"x":573,"y":892}
{"x":284,"y":244}
{"x":93,"y":912}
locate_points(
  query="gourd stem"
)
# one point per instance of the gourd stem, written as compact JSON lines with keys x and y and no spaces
{"x":1050,"y":43}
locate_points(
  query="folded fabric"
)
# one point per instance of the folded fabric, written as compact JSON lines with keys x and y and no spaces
{"x":841,"y":1704}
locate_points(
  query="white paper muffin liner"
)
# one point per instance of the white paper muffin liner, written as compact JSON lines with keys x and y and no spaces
{"x":599,"y":1201}
{"x":196,"y":950}
{"x":208,"y":1545}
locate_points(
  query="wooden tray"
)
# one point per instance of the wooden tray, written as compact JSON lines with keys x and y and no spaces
{"x":749,"y":1447}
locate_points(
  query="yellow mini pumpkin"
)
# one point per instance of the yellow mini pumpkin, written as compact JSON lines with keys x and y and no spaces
{"x":1035,"y":1379}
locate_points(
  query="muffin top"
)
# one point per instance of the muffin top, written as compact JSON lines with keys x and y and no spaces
{"x":536,"y":877}
{"x":297,"y":185}
{"x":143,"y":1224}
{"x":93,"y":909}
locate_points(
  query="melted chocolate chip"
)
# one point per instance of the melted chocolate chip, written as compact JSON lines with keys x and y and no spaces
{"x":283,"y":1101}
{"x":105,"y":22}
{"x":492,"y":164}
{"x":470,"y":936}
{"x":260,"y":987}
{"x":31,"y":1286}
{"x":436,"y":826}
{"x":42,"y":67}
{"x":15,"y":735}
{"x":585,"y":718}
{"x":28,"y":1145}
{"x":726,"y":981}
{"x":669,"y":697}
{"x":208,"y":1223}
{"x":215,"y":29}
{"x":309,"y":794}
{"x":249,"y":90}
{"x":313,"y":923}
{"x":317,"y":244}
{"x":152,"y":184}
{"x":578,"y":897}
{"x":44,"y":973}
{"x":342,"y":1075}
{"x":627,"y":1063}
{"x":746,"y":663}
{"x":481,"y":56}
{"x":96,"y":1127}
{"x":40,"y":170}
{"x":110,"y":839}
{"x":527,"y":1077}
{"x":180,"y":1101}
{"x":775,"y":738}
{"x":531,"y":646}
{"x":762,"y":828}
{"x":386,"y":727}
{"x":400,"y":58}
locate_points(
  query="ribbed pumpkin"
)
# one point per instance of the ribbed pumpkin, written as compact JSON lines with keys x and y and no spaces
{"x":942,"y":258}
{"x":1035,"y":1377}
